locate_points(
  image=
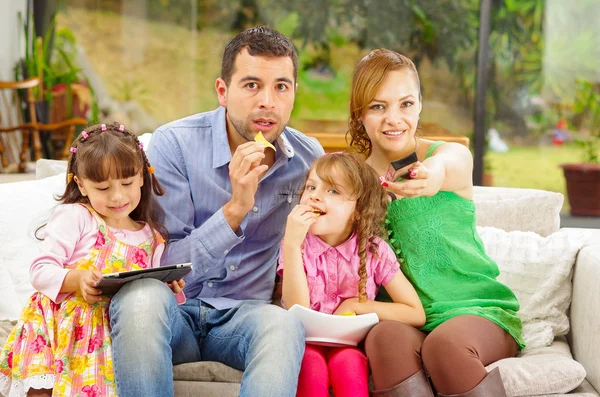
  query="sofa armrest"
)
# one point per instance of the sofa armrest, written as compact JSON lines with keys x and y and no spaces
{"x":585,"y":322}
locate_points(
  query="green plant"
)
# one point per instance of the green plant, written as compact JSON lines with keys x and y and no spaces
{"x":133,"y":89}
{"x":51,"y":58}
{"x":587,"y":106}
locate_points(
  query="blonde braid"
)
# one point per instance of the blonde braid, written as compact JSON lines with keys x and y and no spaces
{"x":362,"y":268}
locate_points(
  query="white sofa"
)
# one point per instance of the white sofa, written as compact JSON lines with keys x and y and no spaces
{"x":545,"y":266}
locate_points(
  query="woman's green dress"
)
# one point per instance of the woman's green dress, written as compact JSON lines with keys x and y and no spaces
{"x":442,"y":255}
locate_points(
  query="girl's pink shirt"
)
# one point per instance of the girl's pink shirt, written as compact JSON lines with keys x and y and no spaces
{"x":69,"y":236}
{"x":332,"y":272}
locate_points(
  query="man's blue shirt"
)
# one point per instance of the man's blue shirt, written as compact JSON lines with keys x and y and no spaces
{"x":191,"y":160}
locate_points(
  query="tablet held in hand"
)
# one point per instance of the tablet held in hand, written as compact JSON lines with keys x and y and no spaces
{"x":112,"y":282}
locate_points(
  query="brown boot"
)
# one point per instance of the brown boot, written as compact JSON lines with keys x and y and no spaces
{"x":490,"y":386}
{"x":416,"y":385}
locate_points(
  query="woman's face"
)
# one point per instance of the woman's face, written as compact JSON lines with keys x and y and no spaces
{"x":391,"y":118}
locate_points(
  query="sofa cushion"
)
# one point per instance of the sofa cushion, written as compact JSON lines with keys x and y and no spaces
{"x":206,"y":371}
{"x":510,"y":209}
{"x":545,"y":372}
{"x":9,"y":300}
{"x":5,"y":329}
{"x":25,"y":206}
{"x":538,"y":270}
{"x":45,"y":168}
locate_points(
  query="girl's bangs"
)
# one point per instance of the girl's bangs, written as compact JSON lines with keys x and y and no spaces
{"x":336,"y":171}
{"x":121,"y":163}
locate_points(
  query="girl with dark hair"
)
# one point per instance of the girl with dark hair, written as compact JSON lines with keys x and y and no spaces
{"x":108,"y":221}
{"x":335,"y":261}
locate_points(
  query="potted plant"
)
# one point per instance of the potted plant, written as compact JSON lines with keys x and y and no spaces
{"x":583,"y":179}
{"x":64,"y":92}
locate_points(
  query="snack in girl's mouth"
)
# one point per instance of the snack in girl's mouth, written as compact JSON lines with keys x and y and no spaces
{"x":317,"y":212}
{"x":261,"y":139}
{"x":348,"y":314}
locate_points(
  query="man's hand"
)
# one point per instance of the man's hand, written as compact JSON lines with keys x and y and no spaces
{"x":298,"y":223}
{"x":88,"y":279}
{"x":245,"y":172}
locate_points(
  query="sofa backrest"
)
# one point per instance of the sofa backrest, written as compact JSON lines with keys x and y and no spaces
{"x":510,"y":209}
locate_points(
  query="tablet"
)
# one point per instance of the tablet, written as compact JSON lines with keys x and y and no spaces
{"x":112,"y":282}
{"x":333,"y":330}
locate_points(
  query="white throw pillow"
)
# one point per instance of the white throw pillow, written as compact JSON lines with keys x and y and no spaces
{"x":542,"y":371}
{"x":510,"y":209}
{"x":45,"y":168}
{"x":25,"y":206}
{"x":9,"y":300}
{"x":539,"y":375}
{"x":538,"y":270}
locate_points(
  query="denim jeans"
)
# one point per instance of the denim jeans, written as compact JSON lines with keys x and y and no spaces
{"x":150,"y":333}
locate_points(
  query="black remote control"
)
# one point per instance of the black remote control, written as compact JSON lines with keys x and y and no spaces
{"x":403,"y":162}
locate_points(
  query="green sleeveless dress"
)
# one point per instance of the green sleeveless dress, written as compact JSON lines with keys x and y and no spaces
{"x":443,"y":257}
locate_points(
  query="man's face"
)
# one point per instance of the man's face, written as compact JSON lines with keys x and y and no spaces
{"x":260,"y":97}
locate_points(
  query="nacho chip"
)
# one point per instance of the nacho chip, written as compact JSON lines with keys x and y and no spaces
{"x":261,"y":139}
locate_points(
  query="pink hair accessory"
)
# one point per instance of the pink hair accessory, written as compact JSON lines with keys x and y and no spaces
{"x":84,"y":134}
{"x":140,"y":145}
{"x":121,"y":127}
{"x":103,"y":127}
{"x":73,"y":150}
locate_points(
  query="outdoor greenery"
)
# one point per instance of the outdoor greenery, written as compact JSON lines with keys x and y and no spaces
{"x":165,"y":55}
{"x":535,"y":167}
{"x":51,"y":58}
{"x":587,"y":105}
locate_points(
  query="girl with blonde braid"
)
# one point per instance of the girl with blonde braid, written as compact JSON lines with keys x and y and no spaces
{"x":108,"y":221}
{"x":334,"y":262}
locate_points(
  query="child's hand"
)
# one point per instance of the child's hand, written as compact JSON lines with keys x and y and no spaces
{"x":176,"y":286}
{"x":87,"y":285}
{"x":298,"y":223}
{"x":349,"y":305}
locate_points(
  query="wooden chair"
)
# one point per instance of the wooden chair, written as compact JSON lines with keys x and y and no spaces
{"x":336,"y":142}
{"x":18,"y":136}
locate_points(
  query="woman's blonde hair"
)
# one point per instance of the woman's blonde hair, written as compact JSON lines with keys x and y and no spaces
{"x":351,"y":171}
{"x":369,"y":75}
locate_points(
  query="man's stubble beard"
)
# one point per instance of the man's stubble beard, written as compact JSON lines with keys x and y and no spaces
{"x":244,"y":129}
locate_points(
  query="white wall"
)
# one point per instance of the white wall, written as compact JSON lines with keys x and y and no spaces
{"x":11,"y":37}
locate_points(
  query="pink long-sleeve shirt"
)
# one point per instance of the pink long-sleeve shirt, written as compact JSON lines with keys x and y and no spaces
{"x":69,"y":236}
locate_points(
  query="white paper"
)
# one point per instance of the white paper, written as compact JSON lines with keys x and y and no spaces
{"x":331,"y":330}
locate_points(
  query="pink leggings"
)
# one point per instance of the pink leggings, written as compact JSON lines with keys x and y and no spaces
{"x":344,"y":368}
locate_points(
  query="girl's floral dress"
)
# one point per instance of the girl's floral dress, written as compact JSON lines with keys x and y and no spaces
{"x":66,"y":346}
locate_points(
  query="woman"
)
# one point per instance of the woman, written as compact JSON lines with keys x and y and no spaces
{"x":472,"y":318}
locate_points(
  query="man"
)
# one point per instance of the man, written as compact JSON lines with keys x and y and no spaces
{"x":226,"y":203}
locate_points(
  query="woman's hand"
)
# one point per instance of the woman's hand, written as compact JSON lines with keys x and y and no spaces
{"x":177,"y":286}
{"x":349,"y":305}
{"x":88,"y":279}
{"x":419,"y":184}
{"x":298,"y":223}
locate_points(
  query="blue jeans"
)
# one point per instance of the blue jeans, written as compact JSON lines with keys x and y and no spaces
{"x":150,"y":333}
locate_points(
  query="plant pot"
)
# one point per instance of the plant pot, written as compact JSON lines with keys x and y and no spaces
{"x":488,"y":179}
{"x":61,"y":111}
{"x":583,"y":188}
